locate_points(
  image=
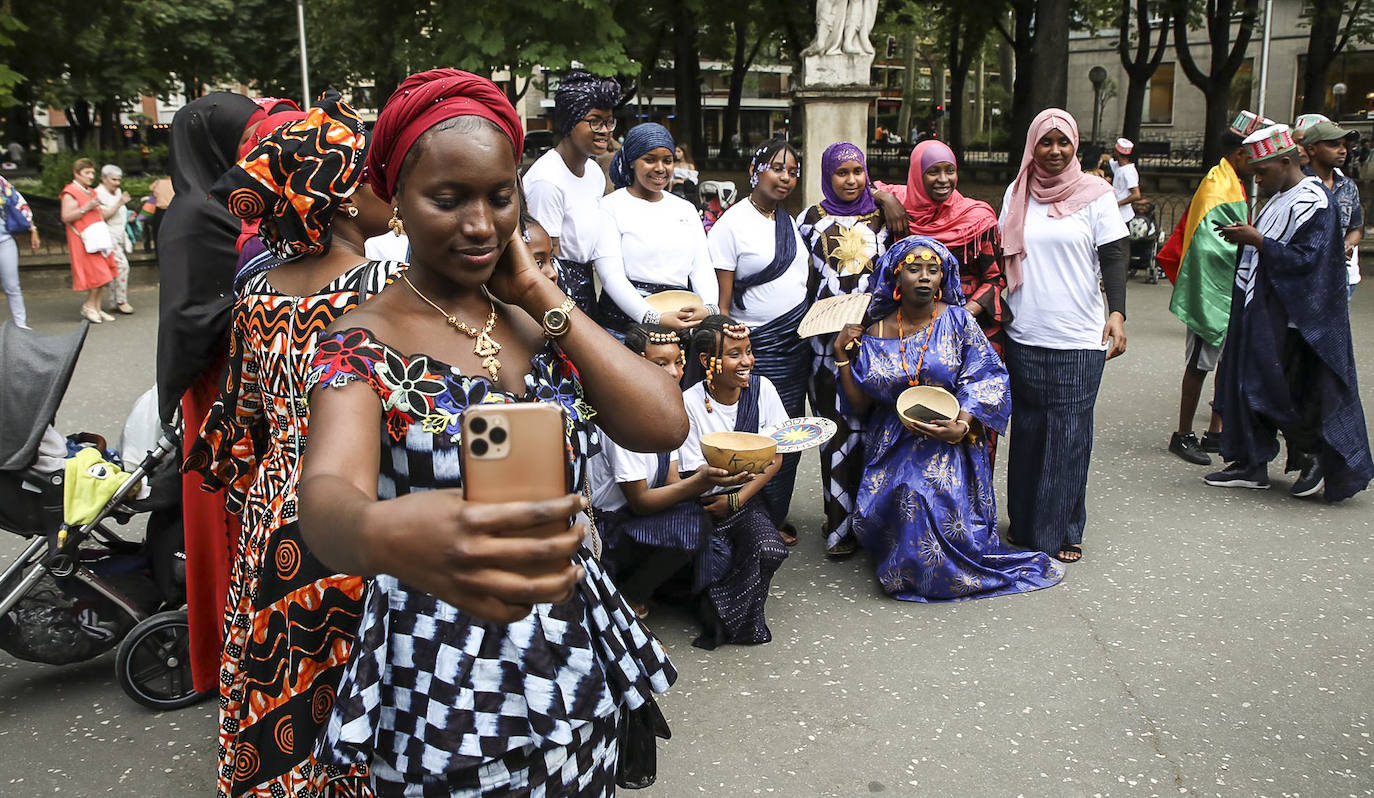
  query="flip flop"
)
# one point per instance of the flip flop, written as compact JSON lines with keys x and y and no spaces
{"x":1071,"y":549}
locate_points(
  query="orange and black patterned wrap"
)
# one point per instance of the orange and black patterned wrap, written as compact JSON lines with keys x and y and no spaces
{"x":297,"y":177}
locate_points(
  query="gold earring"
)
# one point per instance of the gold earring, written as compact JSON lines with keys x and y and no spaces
{"x":397,"y":226}
{"x":352,"y":211}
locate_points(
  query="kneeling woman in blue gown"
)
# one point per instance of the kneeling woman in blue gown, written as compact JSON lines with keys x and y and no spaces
{"x":926,"y":508}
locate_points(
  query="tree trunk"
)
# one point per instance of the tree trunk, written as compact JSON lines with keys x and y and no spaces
{"x":958,"y":82}
{"x":109,"y":137}
{"x":687,"y":77}
{"x":1023,"y":108}
{"x":908,"y":88}
{"x":1322,"y":40}
{"x":1135,"y":107}
{"x":1216,"y":119}
{"x":1050,"y":55}
{"x":738,"y":68}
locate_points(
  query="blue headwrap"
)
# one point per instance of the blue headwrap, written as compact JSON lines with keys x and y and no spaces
{"x":580,"y":92}
{"x":885,"y":275}
{"x":639,"y":141}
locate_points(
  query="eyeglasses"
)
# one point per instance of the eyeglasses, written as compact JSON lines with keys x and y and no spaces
{"x":777,"y":169}
{"x":604,"y":124}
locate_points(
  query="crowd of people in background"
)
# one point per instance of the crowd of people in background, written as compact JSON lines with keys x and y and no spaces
{"x":369,"y":630}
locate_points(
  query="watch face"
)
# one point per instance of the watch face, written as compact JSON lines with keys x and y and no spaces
{"x":555,"y":322}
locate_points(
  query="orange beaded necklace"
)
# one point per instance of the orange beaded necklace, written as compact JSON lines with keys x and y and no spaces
{"x":925,"y":346}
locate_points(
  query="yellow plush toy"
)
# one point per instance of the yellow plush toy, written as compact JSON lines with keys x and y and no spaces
{"x":90,"y":482}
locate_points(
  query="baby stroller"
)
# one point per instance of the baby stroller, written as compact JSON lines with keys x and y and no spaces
{"x":79,"y":589}
{"x":1144,"y":238}
{"x":716,"y":197}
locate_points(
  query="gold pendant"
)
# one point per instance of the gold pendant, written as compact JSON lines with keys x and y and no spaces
{"x":485,"y":346}
{"x":492,"y":365}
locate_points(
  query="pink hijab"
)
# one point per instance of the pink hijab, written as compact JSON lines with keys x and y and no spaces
{"x":1066,"y":193}
{"x":954,"y":222}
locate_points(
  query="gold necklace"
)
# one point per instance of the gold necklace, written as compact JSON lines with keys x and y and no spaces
{"x":484,"y":345}
{"x":769,"y":214}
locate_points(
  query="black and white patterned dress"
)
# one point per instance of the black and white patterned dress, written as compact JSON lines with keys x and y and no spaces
{"x":440,"y":703}
{"x":843,"y":250}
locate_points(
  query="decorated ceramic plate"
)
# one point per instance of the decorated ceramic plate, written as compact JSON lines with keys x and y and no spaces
{"x":799,"y":434}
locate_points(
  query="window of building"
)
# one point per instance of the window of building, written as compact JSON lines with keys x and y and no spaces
{"x":1356,"y":71}
{"x":1242,"y":94}
{"x":1159,"y":96}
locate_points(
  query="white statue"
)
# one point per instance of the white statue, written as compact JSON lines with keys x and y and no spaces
{"x":843,"y":27}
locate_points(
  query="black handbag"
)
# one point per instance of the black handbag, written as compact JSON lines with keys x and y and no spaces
{"x":637,"y":734}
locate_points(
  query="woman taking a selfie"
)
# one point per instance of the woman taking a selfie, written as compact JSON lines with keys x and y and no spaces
{"x":526,"y":652}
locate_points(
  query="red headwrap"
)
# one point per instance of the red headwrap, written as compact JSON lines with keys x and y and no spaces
{"x":424,"y":100}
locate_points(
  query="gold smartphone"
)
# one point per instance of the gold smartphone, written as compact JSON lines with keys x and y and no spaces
{"x":516,"y":452}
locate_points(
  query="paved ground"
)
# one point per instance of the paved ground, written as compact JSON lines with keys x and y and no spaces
{"x":1211,"y":643}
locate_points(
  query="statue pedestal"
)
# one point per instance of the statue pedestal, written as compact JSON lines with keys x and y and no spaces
{"x":831,"y":114}
{"x":837,"y":69}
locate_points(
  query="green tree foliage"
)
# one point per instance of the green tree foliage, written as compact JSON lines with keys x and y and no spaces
{"x":10,"y":27}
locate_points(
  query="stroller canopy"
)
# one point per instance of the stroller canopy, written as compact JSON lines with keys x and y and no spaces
{"x":36,"y":371}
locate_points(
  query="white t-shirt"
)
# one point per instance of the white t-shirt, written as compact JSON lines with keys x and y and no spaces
{"x":387,"y":247}
{"x":722,"y":419}
{"x":109,"y":199}
{"x":1059,"y":304}
{"x":742,"y":241}
{"x":656,"y":242}
{"x":614,"y":466}
{"x":567,"y":206}
{"x":1124,"y":178}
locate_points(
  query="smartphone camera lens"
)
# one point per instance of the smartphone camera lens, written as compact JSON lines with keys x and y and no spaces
{"x":498,"y":435}
{"x":478,"y":425}
{"x":479,"y":446}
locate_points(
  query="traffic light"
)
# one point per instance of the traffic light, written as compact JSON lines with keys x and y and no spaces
{"x":892,"y":47}
{"x":937,"y":110}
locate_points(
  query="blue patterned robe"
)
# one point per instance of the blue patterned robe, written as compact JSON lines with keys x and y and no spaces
{"x":926,"y":509}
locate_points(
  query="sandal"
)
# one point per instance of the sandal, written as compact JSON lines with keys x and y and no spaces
{"x":844,"y":548}
{"x":789,"y":535}
{"x":1069,"y":548}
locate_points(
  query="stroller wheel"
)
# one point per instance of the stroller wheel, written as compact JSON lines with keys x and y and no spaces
{"x":153,"y":663}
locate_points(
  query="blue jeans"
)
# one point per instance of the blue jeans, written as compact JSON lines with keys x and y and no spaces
{"x":9,"y":279}
{"x":1053,"y":393}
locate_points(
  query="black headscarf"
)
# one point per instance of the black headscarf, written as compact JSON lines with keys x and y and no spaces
{"x":195,"y":244}
{"x":580,"y":92}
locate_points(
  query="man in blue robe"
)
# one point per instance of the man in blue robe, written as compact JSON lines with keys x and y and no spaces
{"x":1289,"y":364}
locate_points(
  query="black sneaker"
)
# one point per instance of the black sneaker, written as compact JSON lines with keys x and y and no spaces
{"x":1310,"y":481}
{"x":1238,"y":476}
{"x":1188,"y":449}
{"x":1211,"y":442}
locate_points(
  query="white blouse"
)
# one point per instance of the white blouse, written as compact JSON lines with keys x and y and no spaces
{"x":655,"y":242}
{"x":743,"y":241}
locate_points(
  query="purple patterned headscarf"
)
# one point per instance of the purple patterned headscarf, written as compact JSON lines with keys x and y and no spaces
{"x":831,"y":159}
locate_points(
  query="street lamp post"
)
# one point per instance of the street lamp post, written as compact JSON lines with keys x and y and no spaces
{"x":1098,"y":76}
{"x":305,"y":63}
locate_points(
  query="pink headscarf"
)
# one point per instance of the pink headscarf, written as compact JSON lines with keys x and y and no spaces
{"x":1066,"y":193}
{"x":954,"y":222}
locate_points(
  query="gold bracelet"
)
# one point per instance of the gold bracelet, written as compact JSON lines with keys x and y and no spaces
{"x":732,"y":502}
{"x":839,"y":364}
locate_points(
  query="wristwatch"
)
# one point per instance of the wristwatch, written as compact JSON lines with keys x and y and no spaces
{"x":558,"y":320}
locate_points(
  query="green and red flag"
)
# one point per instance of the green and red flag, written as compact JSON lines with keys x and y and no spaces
{"x":1200,"y":264}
